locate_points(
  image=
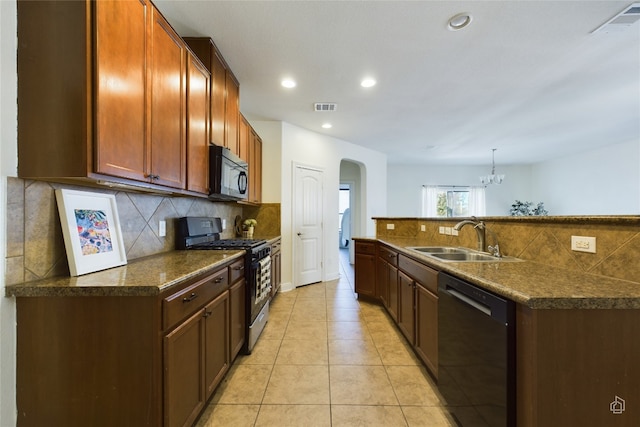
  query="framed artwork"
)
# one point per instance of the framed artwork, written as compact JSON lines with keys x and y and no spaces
{"x":91,"y":230}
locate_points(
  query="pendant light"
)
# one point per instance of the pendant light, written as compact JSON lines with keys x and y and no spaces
{"x":492,"y":178}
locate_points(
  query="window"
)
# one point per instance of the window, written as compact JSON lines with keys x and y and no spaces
{"x":448,"y":201}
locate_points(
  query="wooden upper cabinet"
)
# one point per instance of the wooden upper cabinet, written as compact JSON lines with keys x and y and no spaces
{"x":232,"y":114}
{"x":197,"y":126}
{"x":121,"y":29}
{"x":225,"y":94}
{"x":101,"y":94}
{"x":218,"y":69}
{"x":244,"y":139}
{"x":255,"y":168}
{"x":167,"y":127}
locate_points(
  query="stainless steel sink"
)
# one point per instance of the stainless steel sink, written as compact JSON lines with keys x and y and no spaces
{"x":469,"y":256}
{"x":439,"y":250}
{"x":449,"y":254}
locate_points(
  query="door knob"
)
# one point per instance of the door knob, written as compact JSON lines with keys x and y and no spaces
{"x":299,"y":234}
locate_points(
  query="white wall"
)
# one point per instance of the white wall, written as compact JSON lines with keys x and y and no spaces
{"x":605,"y":181}
{"x":300,"y":146}
{"x":8,"y":167}
{"x":405,"y":186}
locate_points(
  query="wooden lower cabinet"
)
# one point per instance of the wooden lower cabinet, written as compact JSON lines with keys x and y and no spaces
{"x":406,"y":319}
{"x":196,"y":357}
{"x":365,"y":269}
{"x":426,"y":332}
{"x":276,"y":267}
{"x":382,"y":281}
{"x":237,"y":293}
{"x":394,"y":294}
{"x":88,"y":361}
{"x":127,"y":360}
{"x":575,"y":366}
{"x":184,"y":369}
{"x":216,"y":348}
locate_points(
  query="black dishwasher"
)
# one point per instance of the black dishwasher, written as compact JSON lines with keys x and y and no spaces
{"x":476,"y":352}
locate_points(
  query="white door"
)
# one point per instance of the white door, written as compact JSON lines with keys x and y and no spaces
{"x":307,"y":225}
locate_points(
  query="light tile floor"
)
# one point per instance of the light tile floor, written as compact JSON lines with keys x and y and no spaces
{"x":327,"y":359}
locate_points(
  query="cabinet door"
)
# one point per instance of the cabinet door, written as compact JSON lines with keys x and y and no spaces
{"x":427,"y":328}
{"x":218,"y":97}
{"x":392,"y":278}
{"x":197,"y":126}
{"x":216,"y":348}
{"x":184,"y":393}
{"x":167,"y":132}
{"x":244,"y":140}
{"x":405,"y":312}
{"x":120,"y":88}
{"x":255,"y":168}
{"x":382,"y":281}
{"x":237,"y":294}
{"x":232,"y":114}
{"x":365,"y":274}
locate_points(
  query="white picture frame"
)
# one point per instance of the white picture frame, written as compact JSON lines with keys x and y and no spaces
{"x":91,"y":230}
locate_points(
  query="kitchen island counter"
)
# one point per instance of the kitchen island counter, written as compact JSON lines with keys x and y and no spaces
{"x":533,"y":284}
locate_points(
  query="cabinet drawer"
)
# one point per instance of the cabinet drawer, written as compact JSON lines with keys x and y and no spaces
{"x":426,"y":276}
{"x":185,"y":302}
{"x":366,"y":248}
{"x":388,"y":255}
{"x":236,"y":271}
{"x":275,"y":247}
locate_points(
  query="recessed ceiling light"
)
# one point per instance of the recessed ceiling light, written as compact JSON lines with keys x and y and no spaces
{"x":459,"y":21}
{"x":327,"y":125}
{"x":288,"y":83}
{"x":368,"y":82}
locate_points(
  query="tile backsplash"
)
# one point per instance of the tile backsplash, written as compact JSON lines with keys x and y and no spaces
{"x":35,"y":246}
{"x":543,"y":240}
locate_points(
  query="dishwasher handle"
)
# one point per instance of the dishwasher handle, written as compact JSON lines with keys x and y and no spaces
{"x":473,"y":303}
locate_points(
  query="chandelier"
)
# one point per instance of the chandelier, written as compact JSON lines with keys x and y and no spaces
{"x":492,"y":178}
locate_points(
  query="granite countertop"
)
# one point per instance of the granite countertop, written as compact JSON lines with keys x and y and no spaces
{"x":142,"y":277}
{"x":535,"y":285}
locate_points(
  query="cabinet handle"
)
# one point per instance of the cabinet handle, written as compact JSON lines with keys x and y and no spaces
{"x":152,"y":176}
{"x":190,"y":297}
{"x":240,"y":268}
{"x":217,"y":280}
{"x":207,"y":313}
{"x":391,"y":256}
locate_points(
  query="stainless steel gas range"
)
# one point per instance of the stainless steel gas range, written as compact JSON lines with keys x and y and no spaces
{"x":203,"y":233}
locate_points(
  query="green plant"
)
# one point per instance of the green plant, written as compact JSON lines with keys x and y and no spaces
{"x":527,"y":209}
{"x":250,"y":222}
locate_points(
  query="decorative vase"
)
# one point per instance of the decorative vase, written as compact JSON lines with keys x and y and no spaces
{"x":248,"y":233}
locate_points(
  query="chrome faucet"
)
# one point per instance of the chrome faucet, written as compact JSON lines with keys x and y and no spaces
{"x":478,"y":226}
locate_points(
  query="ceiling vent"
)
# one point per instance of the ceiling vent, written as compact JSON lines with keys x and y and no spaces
{"x":325,"y":106}
{"x":621,"y":21}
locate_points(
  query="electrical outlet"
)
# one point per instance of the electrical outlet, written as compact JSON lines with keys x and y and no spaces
{"x":583,"y":244}
{"x":441,"y":230}
{"x":224,"y":224}
{"x":447,"y":231}
{"x":162,"y":228}
{"x":454,"y":232}
{"x":391,"y":226}
{"x":423,"y":227}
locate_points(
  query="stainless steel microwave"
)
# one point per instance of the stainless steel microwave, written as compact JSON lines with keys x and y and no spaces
{"x":228,"y":175}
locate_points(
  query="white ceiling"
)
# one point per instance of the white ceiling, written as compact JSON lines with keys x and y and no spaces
{"x":526,"y":77}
